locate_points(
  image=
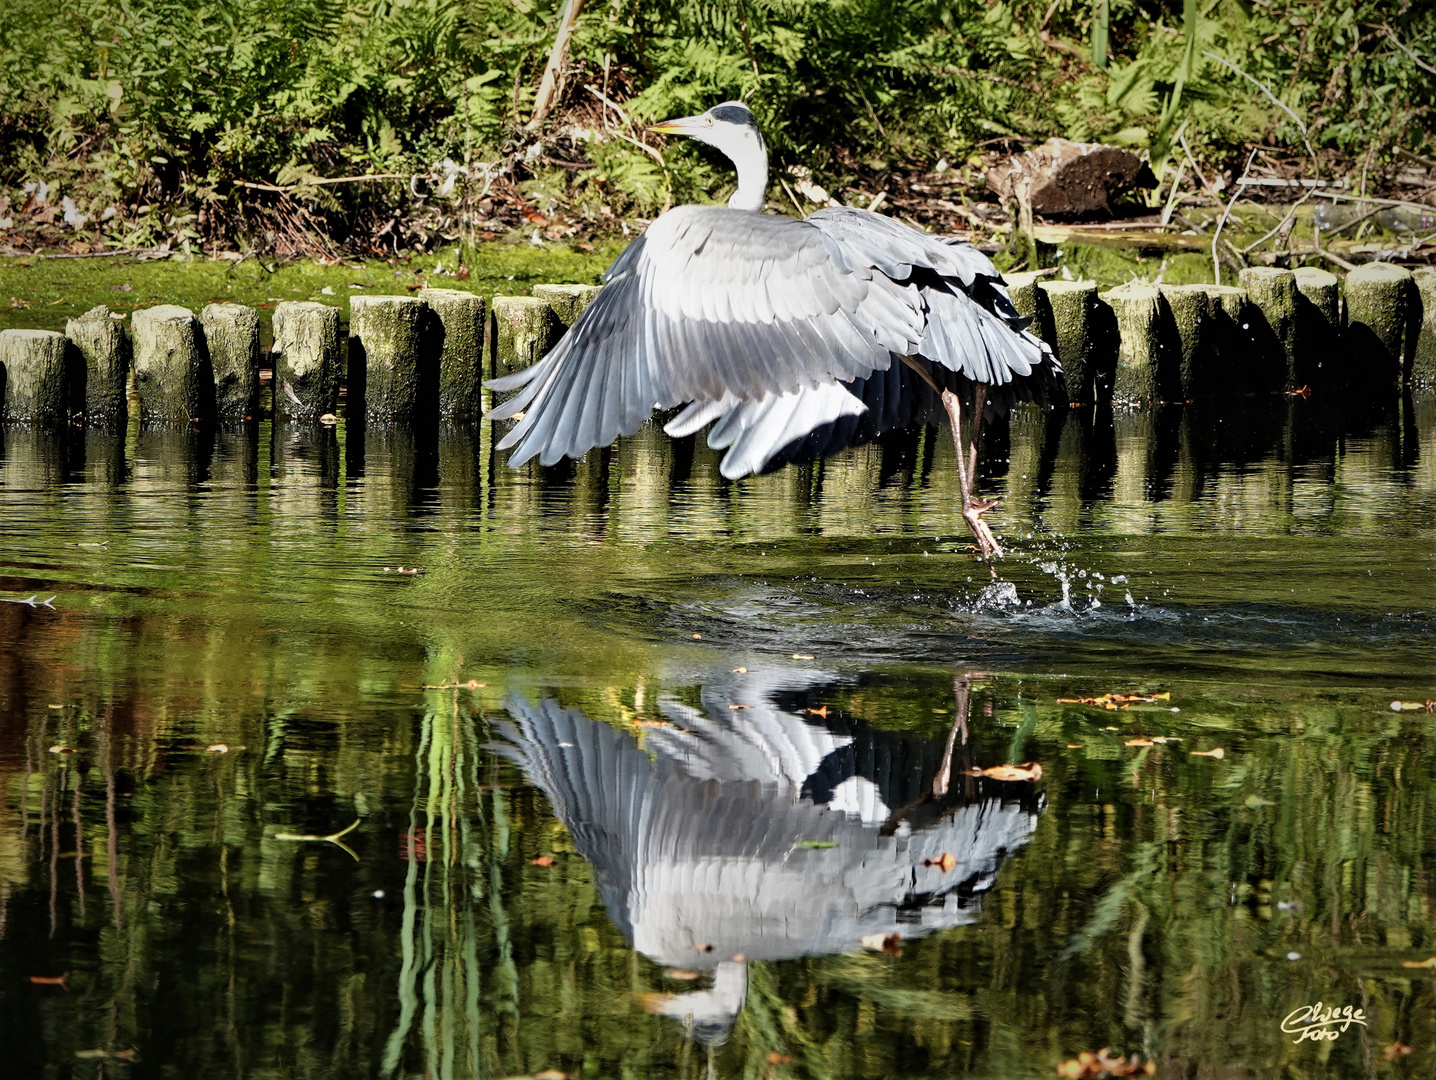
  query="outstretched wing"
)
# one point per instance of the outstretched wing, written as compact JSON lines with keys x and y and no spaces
{"x":709,"y":302}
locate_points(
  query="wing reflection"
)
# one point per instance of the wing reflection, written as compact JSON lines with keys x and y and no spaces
{"x":762,"y":833}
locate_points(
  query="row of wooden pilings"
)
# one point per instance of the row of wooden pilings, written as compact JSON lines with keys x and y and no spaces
{"x":1282,"y":330}
{"x":410,"y":358}
{"x":418,"y":358}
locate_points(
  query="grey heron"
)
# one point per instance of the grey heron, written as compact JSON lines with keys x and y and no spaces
{"x":795,"y":338}
{"x":738,"y":836}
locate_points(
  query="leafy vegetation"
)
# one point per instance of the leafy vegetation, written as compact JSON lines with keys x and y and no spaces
{"x":215,"y":119}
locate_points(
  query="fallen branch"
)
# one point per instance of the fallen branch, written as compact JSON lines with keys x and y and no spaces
{"x":1216,"y":264}
{"x":1316,"y":247}
{"x":1281,"y":225}
{"x":93,"y":254}
{"x":556,"y":59}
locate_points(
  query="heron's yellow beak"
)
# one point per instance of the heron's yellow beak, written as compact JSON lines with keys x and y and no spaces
{"x":683,"y":125}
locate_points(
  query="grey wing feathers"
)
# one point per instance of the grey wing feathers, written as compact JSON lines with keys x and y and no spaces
{"x":708,"y":302}
{"x":755,"y":320}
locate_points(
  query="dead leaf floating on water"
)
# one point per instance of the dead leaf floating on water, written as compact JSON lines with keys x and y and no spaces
{"x":62,"y":749}
{"x":403,"y":570}
{"x":1429,"y":705}
{"x":217,"y":748}
{"x":551,"y":1074}
{"x":329,"y":418}
{"x":739,"y":671}
{"x":1218,"y":753}
{"x":62,"y":981}
{"x":696,"y":637}
{"x":775,"y":1058}
{"x":472,"y":684}
{"x":1429,"y":962}
{"x":686,"y":976}
{"x":1139,"y":742}
{"x":107,"y":1055}
{"x":544,"y":861}
{"x":1113,"y":702}
{"x":802,"y":656}
{"x":1028,"y":770}
{"x":944,"y":862}
{"x":886,"y":943}
{"x":740,"y":706}
{"x":1394,"y":1051}
{"x":700,"y":947}
{"x":1074,"y":746}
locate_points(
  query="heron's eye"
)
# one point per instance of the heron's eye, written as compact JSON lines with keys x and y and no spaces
{"x":710,"y":121}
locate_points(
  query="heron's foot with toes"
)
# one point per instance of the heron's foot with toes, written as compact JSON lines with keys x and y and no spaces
{"x":987,"y":545}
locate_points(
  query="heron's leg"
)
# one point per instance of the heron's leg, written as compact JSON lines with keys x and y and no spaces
{"x":972,"y":507}
{"x":961,"y":684}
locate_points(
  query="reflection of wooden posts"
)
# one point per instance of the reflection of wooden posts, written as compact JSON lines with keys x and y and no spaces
{"x":391,"y":358}
{"x":461,"y":361}
{"x":525,"y":328}
{"x":1381,"y":325}
{"x":567,"y":302}
{"x":231,"y":338}
{"x":306,"y":365}
{"x":1272,"y":314}
{"x":1318,"y":325}
{"x":1423,"y":367}
{"x":33,"y":366}
{"x":169,"y":364}
{"x":1076,"y":339}
{"x":104,"y":351}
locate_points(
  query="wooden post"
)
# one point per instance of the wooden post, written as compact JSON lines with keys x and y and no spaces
{"x":567,"y":301}
{"x":1144,"y":355}
{"x":1381,"y":325}
{"x":231,"y":338}
{"x":391,"y":356}
{"x":461,"y":363}
{"x":1318,"y":326}
{"x":33,"y":386}
{"x":104,"y":350}
{"x":1423,"y":367}
{"x":1077,"y":339}
{"x":1272,"y":319}
{"x":306,"y":365}
{"x":1189,"y":308}
{"x":170,"y":366}
{"x":525,"y":328}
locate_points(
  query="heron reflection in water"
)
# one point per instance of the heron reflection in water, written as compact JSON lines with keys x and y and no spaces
{"x":766,"y":832}
{"x":794,"y":338}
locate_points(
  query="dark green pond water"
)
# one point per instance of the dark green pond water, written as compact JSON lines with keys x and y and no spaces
{"x":630,"y":771}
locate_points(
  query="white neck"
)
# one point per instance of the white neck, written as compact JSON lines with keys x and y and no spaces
{"x":751,"y":161}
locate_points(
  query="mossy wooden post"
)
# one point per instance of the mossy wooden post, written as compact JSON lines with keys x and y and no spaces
{"x":1272,"y":326}
{"x":104,"y":356}
{"x":1031,"y":303}
{"x":1189,"y":308}
{"x":1381,"y":325}
{"x":231,"y":338}
{"x":34,"y":384}
{"x":391,"y":355}
{"x":525,"y":328}
{"x":461,"y":362}
{"x":1077,"y":339}
{"x":567,"y":301}
{"x":1318,"y":326}
{"x":306,"y":364}
{"x":170,"y":366}
{"x":1144,"y":355}
{"x":1423,"y":367}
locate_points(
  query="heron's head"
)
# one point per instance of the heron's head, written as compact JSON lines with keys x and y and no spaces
{"x":729,"y":127}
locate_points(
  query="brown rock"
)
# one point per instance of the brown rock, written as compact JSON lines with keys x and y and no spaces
{"x":1065,"y":179}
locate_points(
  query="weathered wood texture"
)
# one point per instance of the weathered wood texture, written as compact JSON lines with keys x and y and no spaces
{"x":393,"y":358}
{"x":1148,"y":359}
{"x":306,"y":360}
{"x":567,"y":301}
{"x":1382,"y":324}
{"x":525,"y":328}
{"x":1078,"y":336}
{"x":172,"y":375}
{"x":231,"y":339}
{"x":461,"y":361}
{"x":1423,"y":367}
{"x":1271,"y":317}
{"x":33,"y":377}
{"x":103,"y":365}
